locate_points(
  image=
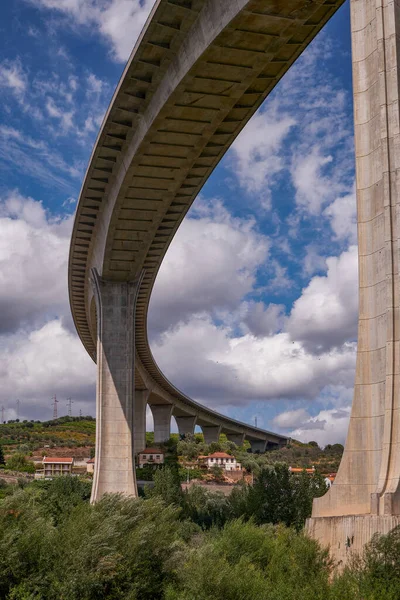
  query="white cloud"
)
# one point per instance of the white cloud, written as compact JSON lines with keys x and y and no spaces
{"x":343,"y":217}
{"x":13,"y":77}
{"x":211,"y":265}
{"x":313,"y":187}
{"x":256,"y":152}
{"x":216,"y":367}
{"x":47,"y":361}
{"x":33,"y":263}
{"x":328,"y":427}
{"x":118,"y":21}
{"x":261,"y":320}
{"x":326,"y":313}
{"x":290,"y":418}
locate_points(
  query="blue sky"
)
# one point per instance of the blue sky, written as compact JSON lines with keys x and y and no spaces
{"x":263,"y":322}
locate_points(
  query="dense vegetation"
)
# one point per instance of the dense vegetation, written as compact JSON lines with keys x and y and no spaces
{"x":71,"y":432}
{"x":55,"y":546}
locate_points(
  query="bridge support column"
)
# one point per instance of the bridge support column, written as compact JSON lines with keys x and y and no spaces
{"x":365,"y":497}
{"x":162,"y":422}
{"x":114,"y":465}
{"x":236,"y":438}
{"x":211,"y":433}
{"x":186,"y":425}
{"x":258,"y":445}
{"x":141,"y":397}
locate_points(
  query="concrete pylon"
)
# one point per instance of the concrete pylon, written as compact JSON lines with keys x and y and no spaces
{"x":186,"y":424}
{"x":139,"y":425}
{"x":258,"y":445}
{"x":365,"y":497}
{"x":211,"y":433}
{"x":114,"y":466}
{"x":236,"y":438}
{"x":162,"y":421}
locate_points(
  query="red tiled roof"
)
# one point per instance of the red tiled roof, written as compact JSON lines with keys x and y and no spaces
{"x":219,"y":455}
{"x":151,"y":451}
{"x":299,"y":470}
{"x":57,"y":459}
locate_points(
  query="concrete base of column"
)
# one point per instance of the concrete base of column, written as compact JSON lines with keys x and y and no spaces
{"x":211,"y":433}
{"x":186,"y":425}
{"x":258,"y":445}
{"x":162,"y":422}
{"x":346,"y":536}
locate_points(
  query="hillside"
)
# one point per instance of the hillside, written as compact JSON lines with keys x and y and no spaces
{"x":75,"y":436}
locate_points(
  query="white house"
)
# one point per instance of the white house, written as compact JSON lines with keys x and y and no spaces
{"x":223,"y":460}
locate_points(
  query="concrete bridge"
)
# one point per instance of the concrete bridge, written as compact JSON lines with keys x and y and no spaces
{"x":199,"y":71}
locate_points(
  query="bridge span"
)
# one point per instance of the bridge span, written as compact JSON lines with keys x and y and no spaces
{"x":199,"y":71}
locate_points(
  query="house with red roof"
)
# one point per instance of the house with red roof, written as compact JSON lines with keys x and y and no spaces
{"x":150,"y":456}
{"x":225,"y":461}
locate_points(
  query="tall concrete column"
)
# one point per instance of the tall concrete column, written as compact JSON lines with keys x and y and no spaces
{"x":114,"y":465}
{"x":236,"y":438}
{"x":162,"y":421}
{"x":186,"y":424}
{"x":368,"y":479}
{"x":141,"y":397}
{"x":211,"y":433}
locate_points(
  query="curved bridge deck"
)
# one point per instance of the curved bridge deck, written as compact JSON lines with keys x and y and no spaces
{"x":199,"y":71}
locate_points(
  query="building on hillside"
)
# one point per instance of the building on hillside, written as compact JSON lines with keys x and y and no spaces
{"x":223,"y":460}
{"x":298,"y":470}
{"x":150,"y":456}
{"x":90,"y":465}
{"x":54,"y":466}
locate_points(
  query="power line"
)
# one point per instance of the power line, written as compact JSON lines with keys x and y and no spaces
{"x":18,"y":403}
{"x":69,"y":406}
{"x":54,"y":405}
{"x":2,"y":414}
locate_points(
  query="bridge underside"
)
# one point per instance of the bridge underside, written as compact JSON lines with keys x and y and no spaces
{"x":200,"y":70}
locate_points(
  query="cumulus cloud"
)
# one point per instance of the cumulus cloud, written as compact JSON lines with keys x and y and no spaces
{"x":210,"y":266}
{"x":118,"y":21}
{"x":35,"y":366}
{"x":328,"y":427}
{"x":290,"y":418}
{"x":326,"y":313}
{"x":342,"y":214}
{"x":218,"y":367}
{"x":33,"y":263}
{"x":260,"y":319}
{"x":256,"y":152}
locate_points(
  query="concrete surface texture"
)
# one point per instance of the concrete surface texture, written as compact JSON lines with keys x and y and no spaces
{"x":368,"y":479}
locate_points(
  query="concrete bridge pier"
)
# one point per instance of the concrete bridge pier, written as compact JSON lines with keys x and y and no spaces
{"x":365,"y":497}
{"x":162,"y":421}
{"x":258,"y":445}
{"x":236,"y":438}
{"x":186,"y":424}
{"x":211,"y":433}
{"x":115,"y":307}
{"x":141,"y":397}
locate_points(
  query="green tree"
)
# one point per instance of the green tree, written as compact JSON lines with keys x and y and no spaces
{"x":2,"y":459}
{"x":18,"y":462}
